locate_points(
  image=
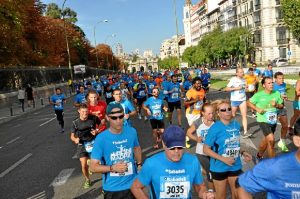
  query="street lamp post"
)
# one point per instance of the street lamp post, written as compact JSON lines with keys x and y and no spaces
{"x":104,"y":21}
{"x":67,"y":42}
{"x":176,"y":21}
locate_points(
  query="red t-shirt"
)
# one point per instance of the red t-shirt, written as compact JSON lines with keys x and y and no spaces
{"x":99,"y":110}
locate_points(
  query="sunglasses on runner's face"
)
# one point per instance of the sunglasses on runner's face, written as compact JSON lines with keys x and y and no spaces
{"x":116,"y":117}
{"x":224,"y":109}
{"x":178,"y":148}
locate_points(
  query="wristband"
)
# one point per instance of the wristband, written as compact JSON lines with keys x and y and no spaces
{"x":139,"y":164}
{"x":111,"y":168}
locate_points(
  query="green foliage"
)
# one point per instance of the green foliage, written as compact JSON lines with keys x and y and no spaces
{"x":218,"y":45}
{"x":55,"y":12}
{"x":168,"y":63}
{"x":291,"y":16}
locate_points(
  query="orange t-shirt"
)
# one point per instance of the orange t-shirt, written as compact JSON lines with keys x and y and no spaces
{"x":158,"y":81}
{"x":194,"y":94}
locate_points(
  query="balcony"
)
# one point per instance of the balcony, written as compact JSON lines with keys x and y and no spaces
{"x":279,"y":20}
{"x":257,"y":23}
{"x":277,"y":2}
{"x":257,"y":44}
{"x":257,"y":7}
{"x":282,"y":41}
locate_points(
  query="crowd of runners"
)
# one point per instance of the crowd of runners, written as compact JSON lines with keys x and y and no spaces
{"x":108,"y":142}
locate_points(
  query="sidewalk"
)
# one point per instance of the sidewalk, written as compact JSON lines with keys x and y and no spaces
{"x":10,"y":107}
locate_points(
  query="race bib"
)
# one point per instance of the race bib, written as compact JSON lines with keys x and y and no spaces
{"x":271,"y":117}
{"x":174,"y":188}
{"x":197,"y":105}
{"x":165,"y":92}
{"x":251,"y":87}
{"x":128,"y":172}
{"x":295,"y":194}
{"x":142,"y":93}
{"x":151,"y":86}
{"x":232,"y":152}
{"x":174,"y":95}
{"x":88,"y":146}
{"x":108,"y":95}
{"x":156,"y":113}
{"x":58,"y":101}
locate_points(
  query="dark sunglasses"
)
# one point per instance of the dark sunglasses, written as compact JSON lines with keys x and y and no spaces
{"x":224,"y":109}
{"x":116,"y":117}
{"x":178,"y":148}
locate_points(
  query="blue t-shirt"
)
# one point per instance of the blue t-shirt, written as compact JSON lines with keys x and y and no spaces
{"x":187,"y":85}
{"x":257,"y":72}
{"x":205,"y":77}
{"x":141,"y":90}
{"x":150,"y":86}
{"x":58,"y":99}
{"x":128,"y":108}
{"x":175,"y":95}
{"x":225,"y":141}
{"x":110,"y":148}
{"x":156,"y":107}
{"x":98,"y":86}
{"x":279,"y":176}
{"x":268,"y":73}
{"x":80,"y":98}
{"x":171,"y":179}
{"x":281,"y":88}
{"x":164,"y":91}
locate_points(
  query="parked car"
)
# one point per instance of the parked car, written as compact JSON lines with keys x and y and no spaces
{"x":280,"y":62}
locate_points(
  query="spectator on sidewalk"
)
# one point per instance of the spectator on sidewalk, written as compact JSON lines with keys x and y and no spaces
{"x":21,"y":96}
{"x":29,"y":94}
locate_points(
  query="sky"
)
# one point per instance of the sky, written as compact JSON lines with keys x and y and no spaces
{"x":136,"y":24}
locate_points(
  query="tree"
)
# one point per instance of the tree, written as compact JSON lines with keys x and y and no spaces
{"x":291,"y":16}
{"x":169,"y":63}
{"x":53,"y":11}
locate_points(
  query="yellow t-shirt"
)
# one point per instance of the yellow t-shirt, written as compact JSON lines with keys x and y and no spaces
{"x":191,"y":95}
{"x":250,"y":82}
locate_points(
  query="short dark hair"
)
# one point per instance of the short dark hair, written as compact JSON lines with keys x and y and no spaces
{"x":278,"y":74}
{"x":117,"y":89}
{"x":250,"y":69}
{"x":173,"y":76}
{"x":57,"y":89}
{"x":82,"y":106}
{"x":196,"y":79}
{"x":264,"y":80}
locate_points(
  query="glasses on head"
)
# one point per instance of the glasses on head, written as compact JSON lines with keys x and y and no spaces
{"x":178,"y":148}
{"x":117,"y":117}
{"x":225,"y":109}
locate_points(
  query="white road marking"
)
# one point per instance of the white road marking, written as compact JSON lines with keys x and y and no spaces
{"x":39,"y":195}
{"x":15,"y":165}
{"x":13,"y":140}
{"x":1,"y":147}
{"x":154,"y":152}
{"x":62,"y":177}
{"x":146,"y":149}
{"x":47,"y":121}
{"x":17,"y":125}
{"x":75,"y":156}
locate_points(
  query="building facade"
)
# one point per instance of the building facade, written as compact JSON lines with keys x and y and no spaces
{"x":169,"y":47}
{"x":264,"y":19}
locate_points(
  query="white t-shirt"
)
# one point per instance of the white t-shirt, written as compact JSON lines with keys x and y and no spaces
{"x":239,"y":95}
{"x":202,"y":130}
{"x":21,"y":94}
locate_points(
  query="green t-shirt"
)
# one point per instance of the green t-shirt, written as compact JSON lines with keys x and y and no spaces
{"x":263,"y":100}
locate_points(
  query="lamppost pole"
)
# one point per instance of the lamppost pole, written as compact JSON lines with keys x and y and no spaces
{"x":67,"y":42}
{"x":106,"y":39}
{"x":177,"y":35}
{"x":105,"y":21}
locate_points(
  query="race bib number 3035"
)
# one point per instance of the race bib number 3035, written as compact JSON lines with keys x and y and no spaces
{"x":174,"y":187}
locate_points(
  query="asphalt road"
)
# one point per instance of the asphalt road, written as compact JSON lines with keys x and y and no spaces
{"x":37,"y":161}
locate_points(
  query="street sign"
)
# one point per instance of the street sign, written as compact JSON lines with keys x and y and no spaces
{"x":289,"y":53}
{"x":79,"y":69}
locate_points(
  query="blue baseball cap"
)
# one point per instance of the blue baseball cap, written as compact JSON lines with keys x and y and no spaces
{"x":173,"y":137}
{"x":112,"y":106}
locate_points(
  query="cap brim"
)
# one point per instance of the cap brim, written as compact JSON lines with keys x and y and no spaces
{"x":176,"y":147}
